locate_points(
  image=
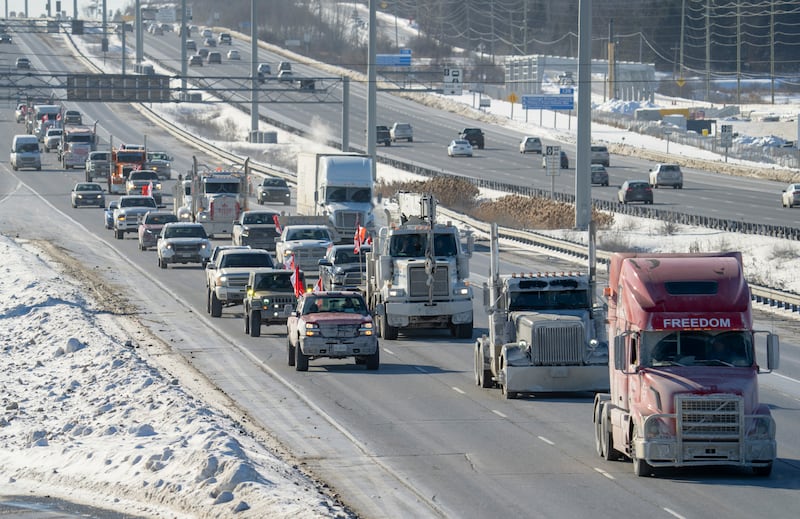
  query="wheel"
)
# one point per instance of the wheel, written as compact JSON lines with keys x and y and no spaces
{"x":410,"y":139}
{"x":246,"y":323}
{"x":300,"y":359}
{"x":598,"y":431}
{"x":118,"y":234}
{"x":255,"y":323}
{"x":483,"y":376}
{"x":162,"y":264}
{"x":208,"y":302}
{"x":607,"y":439}
{"x":373,"y":361}
{"x":290,"y":351}
{"x":508,"y":395}
{"x":74,"y":206}
{"x":260,"y":201}
{"x":463,"y":331}
{"x":764,"y":471}
{"x":216,"y":305}
{"x":641,"y":468}
{"x":387,"y":332}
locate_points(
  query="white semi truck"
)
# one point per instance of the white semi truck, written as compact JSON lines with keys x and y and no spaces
{"x":418,"y":272}
{"x":546,"y":334}
{"x":339,"y":186}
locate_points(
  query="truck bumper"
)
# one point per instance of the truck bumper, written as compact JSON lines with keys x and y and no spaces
{"x":338,"y":347}
{"x":669,"y":453}
{"x":556,"y":379}
{"x":422,"y":315}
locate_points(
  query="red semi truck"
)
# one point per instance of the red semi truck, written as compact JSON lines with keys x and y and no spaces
{"x":682,"y":366}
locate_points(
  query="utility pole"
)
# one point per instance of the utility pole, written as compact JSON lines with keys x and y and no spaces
{"x":708,"y":50}
{"x":583,"y":198}
{"x":612,"y":59}
{"x":738,"y":53}
{"x":772,"y":51}
{"x":680,"y":44}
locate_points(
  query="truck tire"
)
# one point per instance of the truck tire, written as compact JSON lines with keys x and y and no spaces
{"x":640,"y":467}
{"x":300,"y":359}
{"x":290,"y":351}
{"x":161,"y":263}
{"x":764,"y":471}
{"x":118,"y":234}
{"x":255,"y":323}
{"x":246,"y":321}
{"x":508,"y":395}
{"x":609,"y":453}
{"x":462,"y":331}
{"x":216,"y":305}
{"x":483,"y":376}
{"x":373,"y":361}
{"x":208,"y":302}
{"x":387,"y":332}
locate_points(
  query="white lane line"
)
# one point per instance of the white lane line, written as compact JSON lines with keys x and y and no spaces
{"x":673,"y":513}
{"x":604,"y":473}
{"x":421,"y":370}
{"x":458,"y":390}
{"x":498,"y":413}
{"x":390,"y":352}
{"x":548,"y":442}
{"x":785,"y":377}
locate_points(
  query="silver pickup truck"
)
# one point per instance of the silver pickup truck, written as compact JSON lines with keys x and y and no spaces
{"x":97,"y":165}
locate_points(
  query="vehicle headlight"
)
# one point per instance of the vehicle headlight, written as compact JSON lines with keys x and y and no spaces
{"x":221,"y":280}
{"x":761,"y":428}
{"x":205,"y":245}
{"x":121,"y":217}
{"x":461,"y":291}
{"x":168,"y":246}
{"x":288,"y":252}
{"x":396,"y":292}
{"x":312,"y":330}
{"x":365,"y":329}
{"x":99,"y":197}
{"x":655,"y":428}
{"x":158,"y":186}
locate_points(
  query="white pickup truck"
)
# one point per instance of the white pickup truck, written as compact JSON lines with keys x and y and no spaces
{"x":227,"y":275}
{"x":130,"y":212}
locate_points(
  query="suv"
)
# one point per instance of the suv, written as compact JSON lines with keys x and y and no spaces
{"x":273,"y":189}
{"x":600,"y":155}
{"x":530,"y":145}
{"x":382,"y":135}
{"x":263,"y":71}
{"x":474,"y":136}
{"x":666,"y":175}
{"x":183,"y":242}
{"x":401,"y":132}
{"x":225,"y":37}
{"x":635,"y":191}
{"x":269,"y":299}
{"x":214,"y":57}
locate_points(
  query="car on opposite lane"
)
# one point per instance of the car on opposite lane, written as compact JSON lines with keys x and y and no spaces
{"x":233,"y":54}
{"x":563,"y":160}
{"x":530,"y":144}
{"x":635,"y":191}
{"x":790,"y":196}
{"x":23,"y":63}
{"x":401,"y":132}
{"x":195,"y":60}
{"x":459,"y":148}
{"x":599,"y":175}
{"x":87,"y":193}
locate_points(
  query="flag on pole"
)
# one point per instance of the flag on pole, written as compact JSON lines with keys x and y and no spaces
{"x":318,"y":285}
{"x":297,"y":280}
{"x":277,"y":222}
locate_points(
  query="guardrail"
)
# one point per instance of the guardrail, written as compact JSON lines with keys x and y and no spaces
{"x":759,"y":294}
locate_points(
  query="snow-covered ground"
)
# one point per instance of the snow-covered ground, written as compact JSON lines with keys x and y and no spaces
{"x":87,"y":417}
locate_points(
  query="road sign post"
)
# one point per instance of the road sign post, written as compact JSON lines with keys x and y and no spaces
{"x":726,"y":138}
{"x":452,"y":82}
{"x":552,"y":164}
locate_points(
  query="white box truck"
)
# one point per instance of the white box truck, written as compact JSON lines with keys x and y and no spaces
{"x":339,"y":186}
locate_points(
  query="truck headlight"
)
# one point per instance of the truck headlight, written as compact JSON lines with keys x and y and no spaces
{"x":461,"y":291}
{"x":220,"y":281}
{"x":168,"y":246}
{"x":396,"y":292}
{"x":312,"y":329}
{"x":761,"y":428}
{"x":655,"y":428}
{"x":365,"y":329}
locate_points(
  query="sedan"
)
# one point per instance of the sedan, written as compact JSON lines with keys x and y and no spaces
{"x":234,"y":54}
{"x":87,"y":193}
{"x":23,"y":63}
{"x":5,"y":38}
{"x":599,"y":175}
{"x":459,"y":148}
{"x":108,"y":213}
{"x":196,"y":60}
{"x":791,"y":196}
{"x":635,"y":191}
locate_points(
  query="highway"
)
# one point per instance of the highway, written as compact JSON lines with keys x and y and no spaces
{"x":416,"y":438}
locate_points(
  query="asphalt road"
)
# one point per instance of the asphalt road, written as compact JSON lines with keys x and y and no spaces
{"x":416,"y":438}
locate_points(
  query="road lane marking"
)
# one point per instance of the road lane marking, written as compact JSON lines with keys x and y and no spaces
{"x":458,"y":390}
{"x":421,"y":370}
{"x":498,"y":413}
{"x":390,"y":352}
{"x":604,"y":473}
{"x":548,"y":442}
{"x":674,"y":513}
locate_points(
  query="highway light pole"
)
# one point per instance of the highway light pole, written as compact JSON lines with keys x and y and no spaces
{"x":583,"y":199}
{"x":371,"y":88}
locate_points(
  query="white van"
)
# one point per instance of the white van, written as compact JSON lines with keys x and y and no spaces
{"x":26,"y":153}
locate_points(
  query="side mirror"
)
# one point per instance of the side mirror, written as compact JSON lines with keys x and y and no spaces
{"x":773,"y":351}
{"x":325,"y":263}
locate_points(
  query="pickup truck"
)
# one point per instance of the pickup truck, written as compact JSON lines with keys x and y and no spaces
{"x":342,"y":268}
{"x":334,"y":325}
{"x":307,"y":244}
{"x":227,"y":276}
{"x":97,"y":165}
{"x":269,"y":299}
{"x":140,"y":181}
{"x":256,"y":229}
{"x":130,"y":212}
{"x":183,"y":242}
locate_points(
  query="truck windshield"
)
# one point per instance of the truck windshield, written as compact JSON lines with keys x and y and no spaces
{"x":213,"y":188}
{"x":697,"y":348}
{"x":348,"y":194}
{"x":549,"y":300}
{"x":275,"y":282}
{"x":86,"y":139}
{"x":416,"y":245}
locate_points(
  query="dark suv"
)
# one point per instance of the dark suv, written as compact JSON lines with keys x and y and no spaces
{"x":474,"y":136}
{"x":382,"y":135}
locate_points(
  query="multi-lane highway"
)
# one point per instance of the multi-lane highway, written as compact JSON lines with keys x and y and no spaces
{"x":417,"y":438}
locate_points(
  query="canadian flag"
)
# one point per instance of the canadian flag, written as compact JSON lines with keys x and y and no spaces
{"x":360,"y":239}
{"x":288,"y":263}
{"x":297,"y":280}
{"x":147,"y":189}
{"x":277,"y":222}
{"x":318,"y":285}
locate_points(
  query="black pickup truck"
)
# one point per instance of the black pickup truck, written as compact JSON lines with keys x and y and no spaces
{"x":474,"y":136}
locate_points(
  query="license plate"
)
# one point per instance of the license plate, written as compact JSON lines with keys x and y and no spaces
{"x":339,"y":348}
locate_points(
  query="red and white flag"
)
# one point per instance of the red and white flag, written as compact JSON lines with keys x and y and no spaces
{"x":297,"y":281}
{"x":318,"y":285}
{"x":288,"y":263}
{"x":277,"y":222}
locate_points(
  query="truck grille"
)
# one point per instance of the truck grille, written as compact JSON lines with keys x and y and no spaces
{"x":559,"y":344}
{"x":308,"y":258}
{"x":238,"y":281}
{"x":341,"y":330}
{"x":418,"y":282}
{"x":186,"y":248}
{"x":347,"y":219}
{"x":355,"y":278}
{"x":710,"y":417}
